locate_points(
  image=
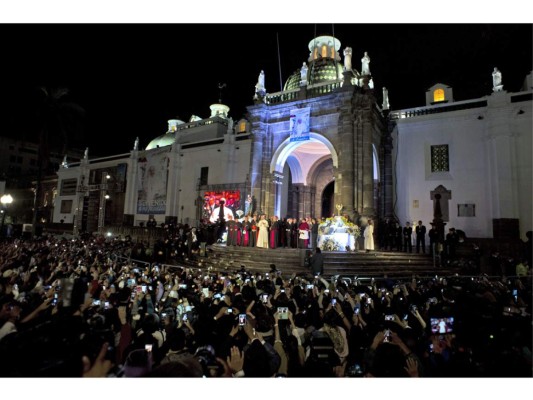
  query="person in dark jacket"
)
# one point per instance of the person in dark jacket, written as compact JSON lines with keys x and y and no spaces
{"x":316,"y":263}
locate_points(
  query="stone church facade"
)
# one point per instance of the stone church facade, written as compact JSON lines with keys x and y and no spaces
{"x":326,"y":142}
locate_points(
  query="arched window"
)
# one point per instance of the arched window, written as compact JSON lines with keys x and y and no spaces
{"x":438,"y":95}
{"x":242,"y":127}
{"x":315,"y":53}
{"x":333,"y":52}
{"x":324,"y":51}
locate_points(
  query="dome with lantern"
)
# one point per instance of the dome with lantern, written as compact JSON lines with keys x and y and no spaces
{"x":168,"y":138}
{"x":324,"y":63}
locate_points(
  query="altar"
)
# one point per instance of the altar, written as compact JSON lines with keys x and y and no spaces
{"x":336,"y":242}
{"x":336,"y":234}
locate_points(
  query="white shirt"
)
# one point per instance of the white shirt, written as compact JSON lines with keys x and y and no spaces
{"x":228,"y":214}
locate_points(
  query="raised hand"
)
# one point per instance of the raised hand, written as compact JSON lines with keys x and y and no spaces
{"x":235,"y":360}
{"x":101,"y":366}
{"x":411,"y":366}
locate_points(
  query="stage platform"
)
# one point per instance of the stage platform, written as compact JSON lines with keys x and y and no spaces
{"x":373,"y":264}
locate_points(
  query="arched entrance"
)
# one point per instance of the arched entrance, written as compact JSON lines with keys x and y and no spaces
{"x":301,"y":171}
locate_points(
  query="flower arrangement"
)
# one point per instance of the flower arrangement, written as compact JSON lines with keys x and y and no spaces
{"x":338,"y":224}
{"x":329,"y":244}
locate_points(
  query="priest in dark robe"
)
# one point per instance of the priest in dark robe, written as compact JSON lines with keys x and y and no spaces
{"x":252,"y":240}
{"x":274,"y":233}
{"x":231,"y":226}
{"x":245,"y":231}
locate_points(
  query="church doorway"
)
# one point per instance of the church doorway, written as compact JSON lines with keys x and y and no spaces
{"x":303,"y":176}
{"x":328,"y":208}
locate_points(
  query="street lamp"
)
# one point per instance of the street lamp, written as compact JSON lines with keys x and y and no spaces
{"x":6,"y":200}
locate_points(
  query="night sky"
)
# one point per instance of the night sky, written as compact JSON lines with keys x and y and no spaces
{"x":131,"y":78}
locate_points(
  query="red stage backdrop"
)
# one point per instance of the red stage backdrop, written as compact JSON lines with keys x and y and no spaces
{"x":211,"y":201}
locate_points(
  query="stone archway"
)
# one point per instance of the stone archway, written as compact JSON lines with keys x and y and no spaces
{"x":301,"y":171}
{"x":286,"y":148}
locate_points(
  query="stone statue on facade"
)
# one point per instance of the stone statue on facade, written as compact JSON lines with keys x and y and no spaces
{"x":385,"y":105}
{"x":86,"y":154}
{"x":497,"y":80}
{"x":303,"y":75}
{"x":365,"y":61}
{"x":136,"y":144}
{"x":348,"y":59}
{"x":260,"y":86}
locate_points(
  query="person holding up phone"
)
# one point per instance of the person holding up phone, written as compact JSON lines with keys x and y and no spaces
{"x":286,"y":357}
{"x":357,"y":319}
{"x":337,"y":335}
{"x":416,"y":314}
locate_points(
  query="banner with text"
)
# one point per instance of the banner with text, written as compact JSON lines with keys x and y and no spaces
{"x":152,"y":178}
{"x":299,"y":126}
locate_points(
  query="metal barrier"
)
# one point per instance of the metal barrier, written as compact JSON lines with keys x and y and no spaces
{"x":333,"y":278}
{"x":134,"y":261}
{"x":369,"y":279}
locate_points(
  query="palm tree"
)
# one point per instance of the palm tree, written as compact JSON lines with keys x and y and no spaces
{"x":59,"y":120}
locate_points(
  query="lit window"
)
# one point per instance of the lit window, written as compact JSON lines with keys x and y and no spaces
{"x":324,"y":51}
{"x":333,"y":52}
{"x":315,"y":53}
{"x":242,"y":127}
{"x":439,"y":158}
{"x":438,"y":95}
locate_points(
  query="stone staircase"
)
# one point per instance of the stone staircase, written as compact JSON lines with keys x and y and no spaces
{"x":375,"y":264}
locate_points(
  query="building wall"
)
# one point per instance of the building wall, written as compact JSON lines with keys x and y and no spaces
{"x":228,"y":163}
{"x":66,"y":174}
{"x":522,"y":128}
{"x":226,"y":167}
{"x":489,"y":158}
{"x":345,"y":117}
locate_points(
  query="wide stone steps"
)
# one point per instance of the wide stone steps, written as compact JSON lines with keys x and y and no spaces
{"x":221,"y":257}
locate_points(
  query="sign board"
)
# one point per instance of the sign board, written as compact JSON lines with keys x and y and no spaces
{"x":299,"y":124}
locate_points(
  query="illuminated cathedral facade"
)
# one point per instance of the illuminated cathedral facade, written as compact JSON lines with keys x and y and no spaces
{"x":326,"y":144}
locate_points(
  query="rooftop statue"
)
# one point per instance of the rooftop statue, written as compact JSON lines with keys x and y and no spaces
{"x":497,"y":80}
{"x":386,"y":105}
{"x":365,"y":61}
{"x":348,"y":59}
{"x":260,"y":86}
{"x":303,"y":74}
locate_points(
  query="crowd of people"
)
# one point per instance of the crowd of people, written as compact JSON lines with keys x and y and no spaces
{"x":260,"y":231}
{"x":82,"y":307}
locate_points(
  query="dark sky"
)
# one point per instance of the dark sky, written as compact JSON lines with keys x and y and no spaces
{"x":131,"y":78}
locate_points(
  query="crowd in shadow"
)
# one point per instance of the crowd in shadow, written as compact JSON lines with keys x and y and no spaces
{"x":78,"y":307}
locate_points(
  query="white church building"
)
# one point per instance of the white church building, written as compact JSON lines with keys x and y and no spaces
{"x":476,"y":153}
{"x":327,"y":139}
